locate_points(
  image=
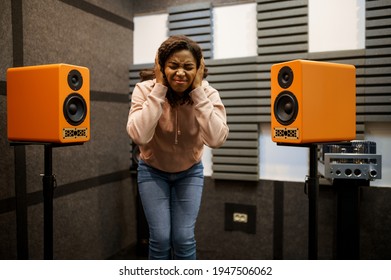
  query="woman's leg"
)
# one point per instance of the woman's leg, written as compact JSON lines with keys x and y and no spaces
{"x":155,"y":196}
{"x":186,"y":195}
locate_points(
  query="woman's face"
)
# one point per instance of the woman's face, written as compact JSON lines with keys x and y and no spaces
{"x":180,"y":70}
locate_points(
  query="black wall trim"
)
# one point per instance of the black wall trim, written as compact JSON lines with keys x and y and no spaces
{"x":19,"y":152}
{"x":17,"y":32}
{"x":3,"y":88}
{"x":99,"y":12}
{"x":109,"y":97}
{"x":89,"y":183}
{"x":95,"y":95}
{"x":8,"y":204}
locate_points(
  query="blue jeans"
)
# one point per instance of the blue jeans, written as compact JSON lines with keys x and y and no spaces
{"x":171,"y":202}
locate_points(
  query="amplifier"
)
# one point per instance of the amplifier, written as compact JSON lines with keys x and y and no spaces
{"x":356,"y":159}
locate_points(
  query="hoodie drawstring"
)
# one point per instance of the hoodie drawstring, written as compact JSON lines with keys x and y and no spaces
{"x":177,"y":129}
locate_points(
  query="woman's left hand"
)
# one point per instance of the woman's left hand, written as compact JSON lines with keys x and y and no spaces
{"x":200,"y":75}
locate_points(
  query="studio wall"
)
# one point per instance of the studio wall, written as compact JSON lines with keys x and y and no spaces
{"x":94,"y":202}
{"x":95,"y":199}
{"x":282,"y":205}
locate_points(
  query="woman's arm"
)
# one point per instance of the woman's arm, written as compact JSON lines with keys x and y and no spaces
{"x":146,"y":109}
{"x":211,"y":115}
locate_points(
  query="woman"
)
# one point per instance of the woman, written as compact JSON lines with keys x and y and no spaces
{"x":171,"y":118}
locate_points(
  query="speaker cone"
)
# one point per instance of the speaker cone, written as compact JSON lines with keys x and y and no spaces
{"x":285,"y":77}
{"x":286,"y":108}
{"x":75,"y":80}
{"x":75,"y":109}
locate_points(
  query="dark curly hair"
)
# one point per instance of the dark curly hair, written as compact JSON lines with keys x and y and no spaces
{"x":166,"y":49}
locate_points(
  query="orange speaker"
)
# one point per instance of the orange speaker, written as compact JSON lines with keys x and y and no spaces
{"x":313,"y":102}
{"x":48,"y":103}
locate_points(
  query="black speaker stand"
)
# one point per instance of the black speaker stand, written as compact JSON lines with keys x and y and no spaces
{"x":49,"y":181}
{"x":312,"y":190}
{"x":313,"y":195}
{"x":348,"y":217}
{"x":49,"y":184}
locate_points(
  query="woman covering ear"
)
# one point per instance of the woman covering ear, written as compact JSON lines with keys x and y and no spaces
{"x":172,"y":116}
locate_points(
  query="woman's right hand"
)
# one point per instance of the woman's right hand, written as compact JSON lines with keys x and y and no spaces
{"x":158,"y":72}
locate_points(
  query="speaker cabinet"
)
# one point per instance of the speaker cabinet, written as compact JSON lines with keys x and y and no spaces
{"x":313,"y":102}
{"x":48,"y":103}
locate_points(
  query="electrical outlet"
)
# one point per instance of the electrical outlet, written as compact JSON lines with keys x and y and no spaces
{"x":240,"y":217}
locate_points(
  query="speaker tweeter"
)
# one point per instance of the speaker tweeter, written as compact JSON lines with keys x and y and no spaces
{"x":285,"y":77}
{"x":75,"y":80}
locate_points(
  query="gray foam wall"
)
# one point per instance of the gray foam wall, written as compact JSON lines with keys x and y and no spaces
{"x":94,"y":204}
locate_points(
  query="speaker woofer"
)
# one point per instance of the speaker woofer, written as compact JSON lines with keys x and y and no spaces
{"x":75,"y":80}
{"x":286,"y":108}
{"x":285,"y":77}
{"x":75,"y":109}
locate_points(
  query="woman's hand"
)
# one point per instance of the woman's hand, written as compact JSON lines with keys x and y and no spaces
{"x":158,"y":72}
{"x":200,"y":75}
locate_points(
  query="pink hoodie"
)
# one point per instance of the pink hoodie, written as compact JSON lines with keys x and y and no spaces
{"x":172,"y":140}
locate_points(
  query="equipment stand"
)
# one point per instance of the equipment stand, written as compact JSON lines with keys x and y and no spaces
{"x":48,"y":194}
{"x":313,"y":194}
{"x":348,"y":218}
{"x":49,"y":183}
{"x":312,"y":184}
{"x":21,"y":203}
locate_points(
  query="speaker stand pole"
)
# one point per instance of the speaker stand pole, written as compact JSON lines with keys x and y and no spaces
{"x":21,"y":202}
{"x":313,"y":194}
{"x":348,"y":217}
{"x":48,"y":193}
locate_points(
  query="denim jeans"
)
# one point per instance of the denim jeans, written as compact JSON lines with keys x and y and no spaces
{"x":171,"y":202}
